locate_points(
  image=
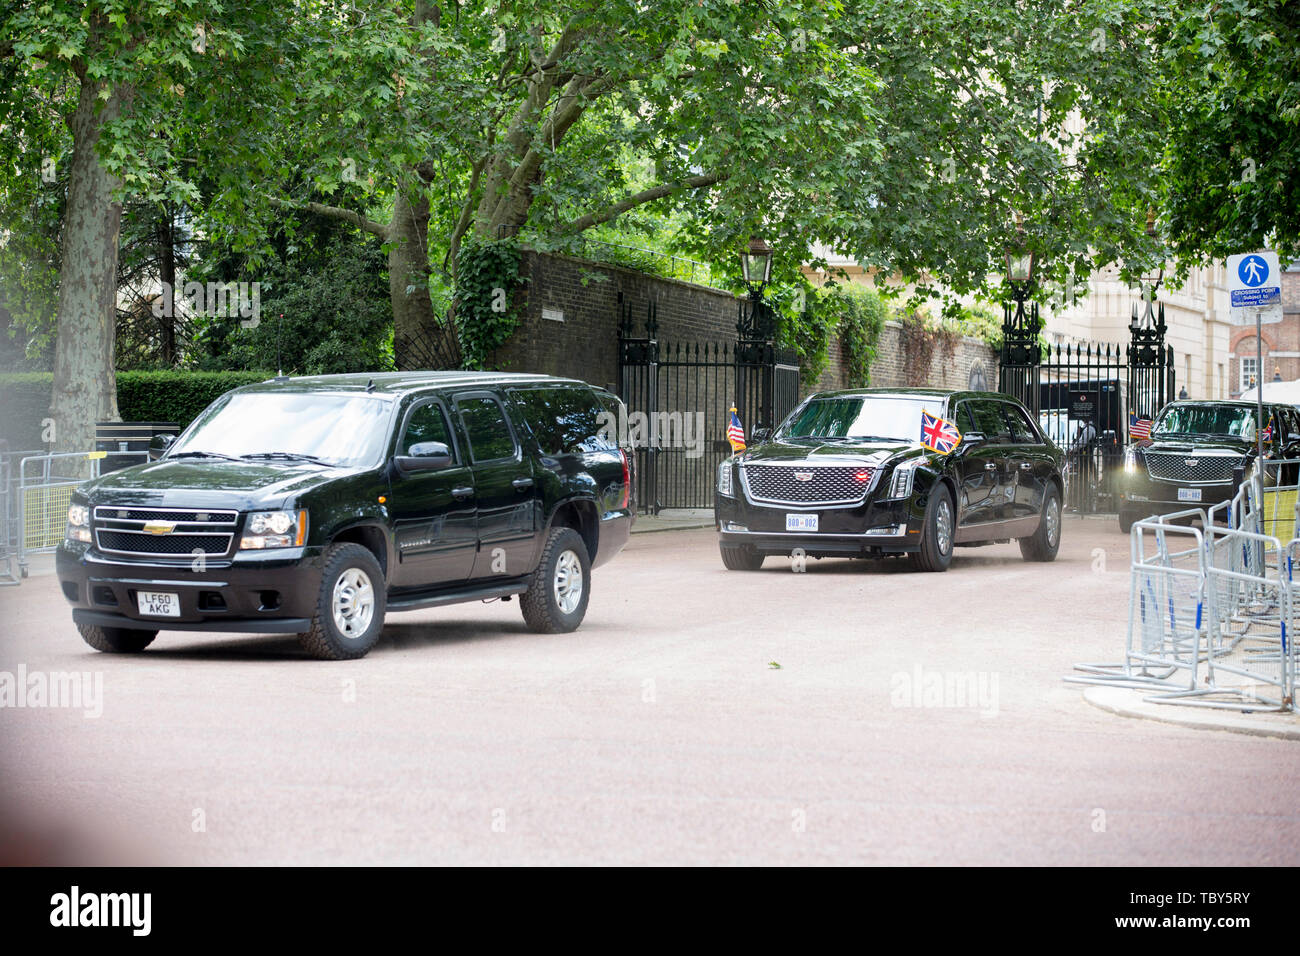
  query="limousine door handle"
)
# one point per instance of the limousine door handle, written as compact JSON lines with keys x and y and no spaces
{"x":1025,"y":466}
{"x":522,"y":483}
{"x":462,"y":493}
{"x":991,"y":466}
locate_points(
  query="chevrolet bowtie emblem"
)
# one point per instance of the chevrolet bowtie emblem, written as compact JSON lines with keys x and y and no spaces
{"x":160,"y":527}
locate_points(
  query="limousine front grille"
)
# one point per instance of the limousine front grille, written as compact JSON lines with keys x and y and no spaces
{"x":804,"y":484}
{"x":164,"y":532}
{"x":1192,"y":469}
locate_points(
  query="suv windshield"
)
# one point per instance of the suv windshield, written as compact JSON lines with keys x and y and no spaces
{"x":287,"y":426}
{"x":1235,"y":420}
{"x":867,"y":417}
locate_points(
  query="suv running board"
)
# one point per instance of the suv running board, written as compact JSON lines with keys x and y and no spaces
{"x":410,"y":602}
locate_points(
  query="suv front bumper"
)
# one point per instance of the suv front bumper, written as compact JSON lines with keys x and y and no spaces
{"x":253,"y":592}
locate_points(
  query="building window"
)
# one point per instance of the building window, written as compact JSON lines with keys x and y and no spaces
{"x":1249,"y":371}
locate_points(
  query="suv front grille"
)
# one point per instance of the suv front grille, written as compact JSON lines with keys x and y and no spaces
{"x":1191,"y":468}
{"x":804,"y":484}
{"x":129,"y":531}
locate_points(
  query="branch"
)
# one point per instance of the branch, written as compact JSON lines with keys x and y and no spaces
{"x":638,"y":199}
{"x":337,"y":212}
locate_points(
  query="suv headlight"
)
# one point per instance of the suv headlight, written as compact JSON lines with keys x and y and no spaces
{"x":900,"y":486}
{"x":274,"y":529}
{"x":725,"y":478}
{"x":78,"y":524}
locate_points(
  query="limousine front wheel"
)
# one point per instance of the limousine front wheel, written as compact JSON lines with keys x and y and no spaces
{"x":937,"y":534}
{"x":740,"y":557}
{"x":1043,"y":544}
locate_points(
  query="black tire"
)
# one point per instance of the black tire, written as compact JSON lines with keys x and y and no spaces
{"x":935,"y":554}
{"x":1126,"y":521}
{"x":564,"y":552}
{"x":328,"y":640}
{"x":740,"y":557}
{"x":1043,"y":544}
{"x":116,"y":640}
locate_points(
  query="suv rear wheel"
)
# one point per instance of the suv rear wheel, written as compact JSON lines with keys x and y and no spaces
{"x":740,"y":557}
{"x":1043,"y":544}
{"x":116,"y":640}
{"x":557,"y":595}
{"x":350,"y":607}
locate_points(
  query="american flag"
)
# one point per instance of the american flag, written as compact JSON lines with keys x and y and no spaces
{"x":1139,"y":429}
{"x":736,"y":432}
{"x":937,"y":434}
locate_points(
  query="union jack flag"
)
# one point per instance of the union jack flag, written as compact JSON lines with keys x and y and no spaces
{"x":1139,"y":429}
{"x":937,"y":434}
{"x":736,"y":432}
{"x":1268,"y":431}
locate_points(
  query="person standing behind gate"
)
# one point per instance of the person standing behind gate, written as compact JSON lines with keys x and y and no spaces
{"x":1081,"y":454}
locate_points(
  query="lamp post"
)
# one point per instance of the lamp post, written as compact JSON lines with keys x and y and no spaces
{"x":756,"y":267}
{"x":755,"y":334}
{"x":1150,"y":369}
{"x":1021,"y":357}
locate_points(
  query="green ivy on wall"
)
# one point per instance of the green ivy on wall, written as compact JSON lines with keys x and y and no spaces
{"x":487,"y":277}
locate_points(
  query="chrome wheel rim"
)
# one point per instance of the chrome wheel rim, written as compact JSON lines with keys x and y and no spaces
{"x":353,"y":603}
{"x":568,"y":582}
{"x":943,"y":526}
{"x":1053,"y":520}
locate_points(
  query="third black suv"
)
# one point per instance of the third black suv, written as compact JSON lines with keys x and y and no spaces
{"x":847,"y":475}
{"x":315,"y":505}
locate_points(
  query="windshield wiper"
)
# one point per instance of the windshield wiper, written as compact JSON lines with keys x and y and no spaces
{"x":201,"y":454}
{"x":286,"y":456}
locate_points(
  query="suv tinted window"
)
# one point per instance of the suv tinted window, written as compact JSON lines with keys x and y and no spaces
{"x":987,"y":416}
{"x":1022,"y":432}
{"x":486,"y":427}
{"x":563,"y":420}
{"x":427,"y":423}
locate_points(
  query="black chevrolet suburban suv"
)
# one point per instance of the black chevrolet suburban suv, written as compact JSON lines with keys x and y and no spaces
{"x":315,"y":505}
{"x":846,"y":475}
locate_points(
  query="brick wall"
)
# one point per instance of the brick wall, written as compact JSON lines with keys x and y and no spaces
{"x":585,"y":344}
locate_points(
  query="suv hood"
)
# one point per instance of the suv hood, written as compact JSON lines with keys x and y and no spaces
{"x":210,"y":483}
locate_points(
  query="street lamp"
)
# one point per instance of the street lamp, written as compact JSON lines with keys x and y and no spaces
{"x":756,"y":264}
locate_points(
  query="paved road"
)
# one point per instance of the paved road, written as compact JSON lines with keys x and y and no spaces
{"x":658,"y":733}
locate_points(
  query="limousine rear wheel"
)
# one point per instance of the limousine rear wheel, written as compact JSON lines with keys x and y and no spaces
{"x":350,"y":606}
{"x":116,"y":640}
{"x":740,"y":557}
{"x":1043,"y":544}
{"x":937,"y":535}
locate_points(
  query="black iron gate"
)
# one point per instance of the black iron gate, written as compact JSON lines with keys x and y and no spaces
{"x":679,"y":397}
{"x":1087,"y":397}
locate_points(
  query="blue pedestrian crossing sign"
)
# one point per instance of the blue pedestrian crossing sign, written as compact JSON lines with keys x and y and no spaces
{"x":1254,"y":280}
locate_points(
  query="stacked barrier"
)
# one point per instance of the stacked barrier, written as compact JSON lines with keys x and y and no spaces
{"x":1212,"y":608}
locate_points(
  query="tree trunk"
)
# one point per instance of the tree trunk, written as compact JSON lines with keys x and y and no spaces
{"x":414,"y":323}
{"x":167,"y":272}
{"x":85,"y":387}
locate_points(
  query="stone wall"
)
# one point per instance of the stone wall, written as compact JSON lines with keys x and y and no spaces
{"x":572,"y":307}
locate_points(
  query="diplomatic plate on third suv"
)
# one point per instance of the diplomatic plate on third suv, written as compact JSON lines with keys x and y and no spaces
{"x":800,"y":522}
{"x":158,"y":603}
{"x":1189,"y":494}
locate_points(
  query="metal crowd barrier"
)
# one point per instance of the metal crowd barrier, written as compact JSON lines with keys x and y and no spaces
{"x":9,"y":574}
{"x":1212,"y":609}
{"x":45,"y":486}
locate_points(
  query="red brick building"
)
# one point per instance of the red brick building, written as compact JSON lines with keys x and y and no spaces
{"x":1281,"y":342}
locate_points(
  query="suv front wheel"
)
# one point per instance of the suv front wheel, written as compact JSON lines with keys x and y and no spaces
{"x":350,"y":606}
{"x":558,"y":591}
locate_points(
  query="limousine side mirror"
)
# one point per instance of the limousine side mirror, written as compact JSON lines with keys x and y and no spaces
{"x":760,"y":435}
{"x":159,"y":444}
{"x":425,"y":456}
{"x":1294,"y":436}
{"x":972,"y":438}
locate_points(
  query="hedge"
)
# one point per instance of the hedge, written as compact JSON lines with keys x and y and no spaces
{"x":141,"y":397}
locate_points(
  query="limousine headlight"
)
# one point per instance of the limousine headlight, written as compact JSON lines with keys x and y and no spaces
{"x":900,"y":486}
{"x":78,"y":524}
{"x":725,"y":478}
{"x":274,"y":529}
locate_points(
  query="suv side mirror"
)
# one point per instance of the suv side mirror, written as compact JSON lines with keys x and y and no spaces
{"x":425,"y":456}
{"x":159,"y":444}
{"x":760,"y":435}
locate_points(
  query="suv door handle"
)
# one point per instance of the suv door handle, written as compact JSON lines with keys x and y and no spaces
{"x":522,"y":483}
{"x":462,"y":493}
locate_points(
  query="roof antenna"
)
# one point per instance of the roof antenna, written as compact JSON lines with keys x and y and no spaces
{"x":279,"y":367}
